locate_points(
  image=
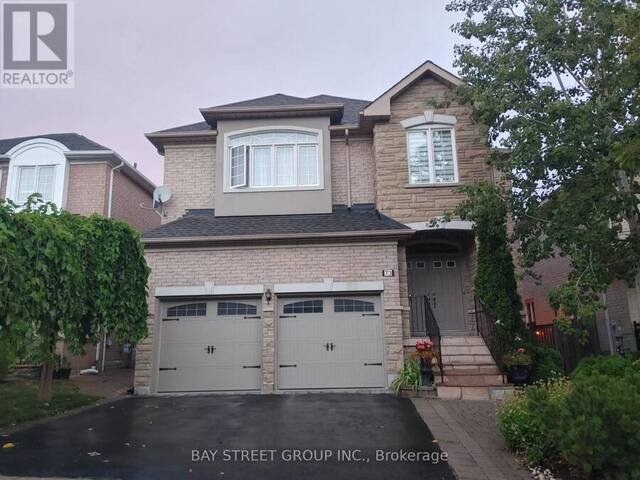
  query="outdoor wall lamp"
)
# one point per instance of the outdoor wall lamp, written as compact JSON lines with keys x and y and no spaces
{"x":268,"y":295}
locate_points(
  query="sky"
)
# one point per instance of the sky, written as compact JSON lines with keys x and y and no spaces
{"x":147,"y":65}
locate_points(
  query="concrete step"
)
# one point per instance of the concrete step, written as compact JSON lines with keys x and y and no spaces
{"x":465,"y":350}
{"x":475,"y":359}
{"x":470,"y":392}
{"x":485,"y":369}
{"x":473,"y":379}
{"x":462,"y":340}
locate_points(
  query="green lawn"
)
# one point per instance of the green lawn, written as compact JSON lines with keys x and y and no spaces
{"x":19,"y":403}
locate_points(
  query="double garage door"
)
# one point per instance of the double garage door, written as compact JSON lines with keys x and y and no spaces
{"x":322,"y":343}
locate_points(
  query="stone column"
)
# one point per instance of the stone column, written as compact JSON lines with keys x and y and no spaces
{"x":268,"y":343}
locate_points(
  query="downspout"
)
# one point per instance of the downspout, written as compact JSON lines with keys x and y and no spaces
{"x":109,"y":211}
{"x":348,"y":151}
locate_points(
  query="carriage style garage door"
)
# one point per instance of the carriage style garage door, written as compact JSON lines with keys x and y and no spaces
{"x":210,"y":345}
{"x":330,"y":342}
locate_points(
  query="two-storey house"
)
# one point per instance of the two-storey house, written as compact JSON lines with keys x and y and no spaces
{"x":297,"y":250}
{"x":83,"y":177}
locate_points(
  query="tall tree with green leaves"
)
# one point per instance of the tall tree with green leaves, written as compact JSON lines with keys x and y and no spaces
{"x":557,"y":82}
{"x":67,"y":277}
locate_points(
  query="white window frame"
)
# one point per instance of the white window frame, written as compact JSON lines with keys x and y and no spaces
{"x":39,"y":152}
{"x":427,"y":130}
{"x":250,"y":185}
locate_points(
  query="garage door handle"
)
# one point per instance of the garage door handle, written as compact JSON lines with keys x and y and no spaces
{"x":287,"y":316}
{"x":379,"y":364}
{"x":370,"y":314}
{"x":251,"y":366}
{"x":170,"y":319}
{"x":164,"y":368}
{"x":254,"y":316}
{"x":293,"y":365}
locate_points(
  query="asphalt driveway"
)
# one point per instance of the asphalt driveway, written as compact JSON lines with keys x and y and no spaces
{"x":280,"y":437}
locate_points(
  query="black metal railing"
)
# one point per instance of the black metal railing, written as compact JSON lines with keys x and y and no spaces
{"x":572,"y":347}
{"x":424,"y":324}
{"x":486,"y":328}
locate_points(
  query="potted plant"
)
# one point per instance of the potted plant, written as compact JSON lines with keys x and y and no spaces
{"x":62,"y":369}
{"x":425,"y":353}
{"x":519,"y":364}
{"x":408,"y":378}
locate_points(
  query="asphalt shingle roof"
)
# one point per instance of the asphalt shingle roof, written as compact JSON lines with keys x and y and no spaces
{"x":204,"y":223}
{"x":351,"y":114}
{"x":72,"y":141}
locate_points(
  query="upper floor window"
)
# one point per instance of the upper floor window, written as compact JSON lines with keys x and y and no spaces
{"x":431,"y":149}
{"x":37,"y":166}
{"x":272,"y":159}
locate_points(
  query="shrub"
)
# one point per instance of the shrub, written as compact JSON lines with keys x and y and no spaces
{"x":523,"y":420}
{"x":547,"y":363}
{"x":409,"y":376}
{"x":598,"y":426}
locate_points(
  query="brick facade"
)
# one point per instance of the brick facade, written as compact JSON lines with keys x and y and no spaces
{"x":415,"y":204}
{"x":88,"y":188}
{"x":362,"y":170}
{"x":189,"y":170}
{"x":127,"y":198}
{"x":269,"y":265}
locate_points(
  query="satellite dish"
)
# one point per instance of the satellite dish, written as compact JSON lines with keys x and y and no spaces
{"x":161,"y":195}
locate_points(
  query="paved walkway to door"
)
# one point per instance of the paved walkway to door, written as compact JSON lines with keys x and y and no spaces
{"x":467,"y":431}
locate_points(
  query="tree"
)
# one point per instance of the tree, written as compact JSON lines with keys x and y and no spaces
{"x":495,"y":279}
{"x":65,"y":276}
{"x":557,"y":82}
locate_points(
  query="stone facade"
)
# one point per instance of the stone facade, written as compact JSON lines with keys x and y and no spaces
{"x":415,"y":204}
{"x":189,"y":170}
{"x":268,"y":265}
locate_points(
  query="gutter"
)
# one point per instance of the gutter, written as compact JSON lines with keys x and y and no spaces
{"x":348,"y":152}
{"x":372,"y":234}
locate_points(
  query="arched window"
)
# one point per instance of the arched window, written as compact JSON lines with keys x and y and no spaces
{"x":235,"y":308}
{"x":431,"y":149}
{"x":345,"y":305}
{"x":37,"y":166}
{"x":273,"y":159}
{"x":188,"y":310}
{"x":305,"y":306}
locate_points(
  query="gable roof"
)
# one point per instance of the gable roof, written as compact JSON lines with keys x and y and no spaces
{"x":381,"y":106}
{"x":73,"y":141}
{"x":203,"y":225}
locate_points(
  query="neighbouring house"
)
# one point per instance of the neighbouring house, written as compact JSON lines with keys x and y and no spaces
{"x":616,"y":327}
{"x":297,"y":250}
{"x":83,"y":177}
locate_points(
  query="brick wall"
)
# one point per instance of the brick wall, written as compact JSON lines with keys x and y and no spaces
{"x":276,"y":264}
{"x":88,"y":188}
{"x":4,"y":172}
{"x":127,"y":197}
{"x":362,"y":170}
{"x":391,"y":170}
{"x":189,"y":170}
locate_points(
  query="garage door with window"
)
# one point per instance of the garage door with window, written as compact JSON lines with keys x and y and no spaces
{"x":330,"y":342}
{"x":210,"y":345}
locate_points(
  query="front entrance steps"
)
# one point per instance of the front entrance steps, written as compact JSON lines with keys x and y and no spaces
{"x":470,"y":372}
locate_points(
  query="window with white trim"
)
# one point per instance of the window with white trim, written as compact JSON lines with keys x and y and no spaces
{"x":431,"y":155}
{"x":37,"y":179}
{"x":273,"y":159}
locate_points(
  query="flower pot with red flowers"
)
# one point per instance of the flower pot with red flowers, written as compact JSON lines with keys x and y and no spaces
{"x":518,"y":364}
{"x":425,"y":353}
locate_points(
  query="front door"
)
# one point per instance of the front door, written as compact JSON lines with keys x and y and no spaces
{"x":439,"y":279}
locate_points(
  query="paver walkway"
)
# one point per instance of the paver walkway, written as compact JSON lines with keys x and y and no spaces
{"x":466,"y":430}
